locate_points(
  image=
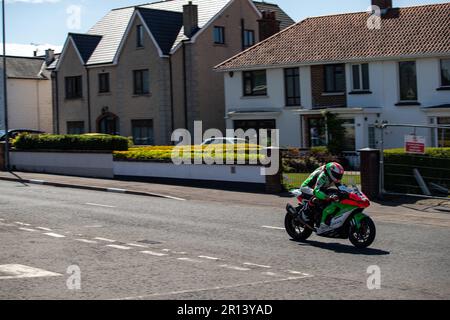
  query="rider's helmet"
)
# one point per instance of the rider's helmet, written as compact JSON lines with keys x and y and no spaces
{"x":335,"y":171}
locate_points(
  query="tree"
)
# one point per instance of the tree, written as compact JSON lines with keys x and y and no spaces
{"x":335,"y":132}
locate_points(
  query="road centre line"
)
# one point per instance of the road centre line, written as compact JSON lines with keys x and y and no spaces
{"x":86,"y":241}
{"x":104,"y":239}
{"x":156,"y":254}
{"x":45,"y":229}
{"x":54,"y":235}
{"x":190,"y":260}
{"x":27,"y":229}
{"x":234,"y":267}
{"x":100,"y":205}
{"x":115,"y":246}
{"x":209,"y":258}
{"x":256,"y":265}
{"x":270,"y":227}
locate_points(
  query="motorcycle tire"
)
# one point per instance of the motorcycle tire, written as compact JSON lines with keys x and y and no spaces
{"x":363,"y":241}
{"x":296,"y":229}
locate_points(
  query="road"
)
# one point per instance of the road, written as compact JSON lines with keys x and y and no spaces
{"x":132,"y":247}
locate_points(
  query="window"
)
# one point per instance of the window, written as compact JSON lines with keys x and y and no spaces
{"x":139,"y":36}
{"x":443,"y":134}
{"x":103,"y":82}
{"x":141,"y":82}
{"x":74,"y":87}
{"x":408,"y":81}
{"x":292,"y":86}
{"x":268,"y":124}
{"x":334,"y":78}
{"x":349,"y":143}
{"x":445,"y":73}
{"x":142,"y":132}
{"x":109,"y":124}
{"x":75,"y":127}
{"x":219,"y":35}
{"x":249,"y":38}
{"x":360,"y":75}
{"x":255,"y":83}
{"x":316,"y":132}
{"x":372,"y":138}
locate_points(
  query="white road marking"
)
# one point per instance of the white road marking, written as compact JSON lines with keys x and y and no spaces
{"x":166,"y":250}
{"x":115,"y":246}
{"x":2,"y":219}
{"x":17,"y":271}
{"x":136,"y":245}
{"x":54,"y":235}
{"x":26,"y":229}
{"x":256,"y":265}
{"x":179,"y":252}
{"x":100,"y":205}
{"x":209,"y":258}
{"x":190,"y":260}
{"x":173,"y":198}
{"x":86,"y":241}
{"x":20,"y":223}
{"x":298,"y":272}
{"x":234,"y":268}
{"x":152,"y":253}
{"x":270,"y":227}
{"x":104,"y":239}
{"x":45,"y":229}
{"x":271,"y":274}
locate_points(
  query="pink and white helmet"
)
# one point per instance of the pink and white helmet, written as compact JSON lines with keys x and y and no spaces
{"x":335,"y":171}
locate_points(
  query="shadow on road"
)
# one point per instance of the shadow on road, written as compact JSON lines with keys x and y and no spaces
{"x":342,"y":248}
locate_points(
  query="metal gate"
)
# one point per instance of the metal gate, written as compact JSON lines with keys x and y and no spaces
{"x":415,"y":160}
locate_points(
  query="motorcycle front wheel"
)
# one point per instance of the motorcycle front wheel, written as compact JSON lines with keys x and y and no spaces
{"x":297,"y":230}
{"x":365,"y":235}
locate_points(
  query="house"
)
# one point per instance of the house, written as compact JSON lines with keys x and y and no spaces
{"x":29,"y":92}
{"x":398,"y":73}
{"x":147,"y":70}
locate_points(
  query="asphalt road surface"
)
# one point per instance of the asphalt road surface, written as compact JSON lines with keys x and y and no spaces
{"x":58,"y":243}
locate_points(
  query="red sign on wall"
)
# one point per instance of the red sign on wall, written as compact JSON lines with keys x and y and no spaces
{"x":415,"y":144}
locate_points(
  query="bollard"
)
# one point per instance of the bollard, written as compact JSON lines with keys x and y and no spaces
{"x":370,"y":172}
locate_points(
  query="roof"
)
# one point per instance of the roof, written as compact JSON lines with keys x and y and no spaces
{"x":164,"y":25}
{"x":85,"y":44}
{"x":282,"y":16}
{"x":25,"y":68}
{"x":410,"y":31}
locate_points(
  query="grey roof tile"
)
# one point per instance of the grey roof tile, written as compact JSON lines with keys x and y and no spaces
{"x":25,"y":68}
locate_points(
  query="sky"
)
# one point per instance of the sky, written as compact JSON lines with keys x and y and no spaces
{"x":42,"y":24}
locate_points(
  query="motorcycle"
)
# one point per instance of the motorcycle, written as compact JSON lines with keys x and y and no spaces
{"x":340,"y":220}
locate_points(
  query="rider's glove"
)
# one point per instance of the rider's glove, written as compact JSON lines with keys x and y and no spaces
{"x":334,"y":198}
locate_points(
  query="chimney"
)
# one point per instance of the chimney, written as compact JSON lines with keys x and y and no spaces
{"x":384,"y":5}
{"x":268,"y":25}
{"x":190,"y":19}
{"x":49,"y":56}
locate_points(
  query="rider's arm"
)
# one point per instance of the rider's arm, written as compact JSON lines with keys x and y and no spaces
{"x":322,"y":182}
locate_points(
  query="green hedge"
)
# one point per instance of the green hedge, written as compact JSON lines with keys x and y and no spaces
{"x":434,"y":166}
{"x":71,"y":142}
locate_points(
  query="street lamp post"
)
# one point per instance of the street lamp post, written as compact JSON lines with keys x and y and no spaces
{"x":5,"y":89}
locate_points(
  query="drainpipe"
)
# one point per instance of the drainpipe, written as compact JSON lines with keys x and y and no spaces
{"x":56,"y":106}
{"x":185,"y":87}
{"x":89,"y":100}
{"x":172,"y":121}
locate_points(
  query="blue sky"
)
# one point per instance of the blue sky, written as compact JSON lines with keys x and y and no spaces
{"x":45,"y":22}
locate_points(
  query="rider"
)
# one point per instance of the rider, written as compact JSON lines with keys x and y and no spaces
{"x":318,"y":182}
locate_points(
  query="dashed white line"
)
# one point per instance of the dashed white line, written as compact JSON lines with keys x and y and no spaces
{"x":18,"y":271}
{"x":100,"y":205}
{"x":104,"y":239}
{"x":209,"y":258}
{"x":234,"y":268}
{"x":256,"y":265}
{"x":27,"y":229}
{"x":274,"y":228}
{"x":298,"y":272}
{"x":115,"y":246}
{"x":45,"y":229}
{"x":189,"y":260}
{"x":86,"y":241}
{"x":54,"y":235}
{"x":156,"y":254}
{"x":22,"y":224}
{"x":271,"y":274}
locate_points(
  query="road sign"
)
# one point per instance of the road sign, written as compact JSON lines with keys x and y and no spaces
{"x":415,"y":144}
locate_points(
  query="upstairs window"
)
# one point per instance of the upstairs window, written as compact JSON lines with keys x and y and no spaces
{"x":292,"y":86}
{"x":360,"y":75}
{"x":445,"y":73}
{"x":408,"y":81}
{"x":74,"y":87}
{"x":255,"y":83}
{"x":219,"y":35}
{"x":334,"y":78}
{"x":249,"y":38}
{"x":139,"y":36}
{"x":141,"y":82}
{"x":103,"y":83}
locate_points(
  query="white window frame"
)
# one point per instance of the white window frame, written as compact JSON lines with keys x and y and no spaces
{"x":361,"y":82}
{"x":440,"y":73}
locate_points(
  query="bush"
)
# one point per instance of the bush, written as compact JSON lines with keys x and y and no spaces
{"x":296,"y":161}
{"x":434,"y":166}
{"x":70,"y":142}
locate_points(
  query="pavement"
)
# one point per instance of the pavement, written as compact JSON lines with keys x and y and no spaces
{"x":71,"y":243}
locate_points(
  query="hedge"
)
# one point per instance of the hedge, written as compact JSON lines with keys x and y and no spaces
{"x":71,"y":142}
{"x":434,"y":166}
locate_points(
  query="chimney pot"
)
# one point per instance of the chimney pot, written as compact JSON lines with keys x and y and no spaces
{"x":49,"y":56}
{"x":383,"y":4}
{"x":190,"y":19}
{"x":268,"y":25}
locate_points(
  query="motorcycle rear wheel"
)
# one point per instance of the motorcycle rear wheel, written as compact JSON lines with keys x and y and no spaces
{"x":295,"y":229}
{"x":365,"y":235}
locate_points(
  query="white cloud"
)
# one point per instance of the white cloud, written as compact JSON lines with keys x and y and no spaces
{"x":27,"y":50}
{"x":33,"y":1}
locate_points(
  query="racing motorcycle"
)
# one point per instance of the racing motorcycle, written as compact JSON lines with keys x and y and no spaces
{"x":340,"y":220}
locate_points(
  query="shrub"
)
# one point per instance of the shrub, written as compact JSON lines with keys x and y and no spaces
{"x":296,"y":161}
{"x":70,"y":142}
